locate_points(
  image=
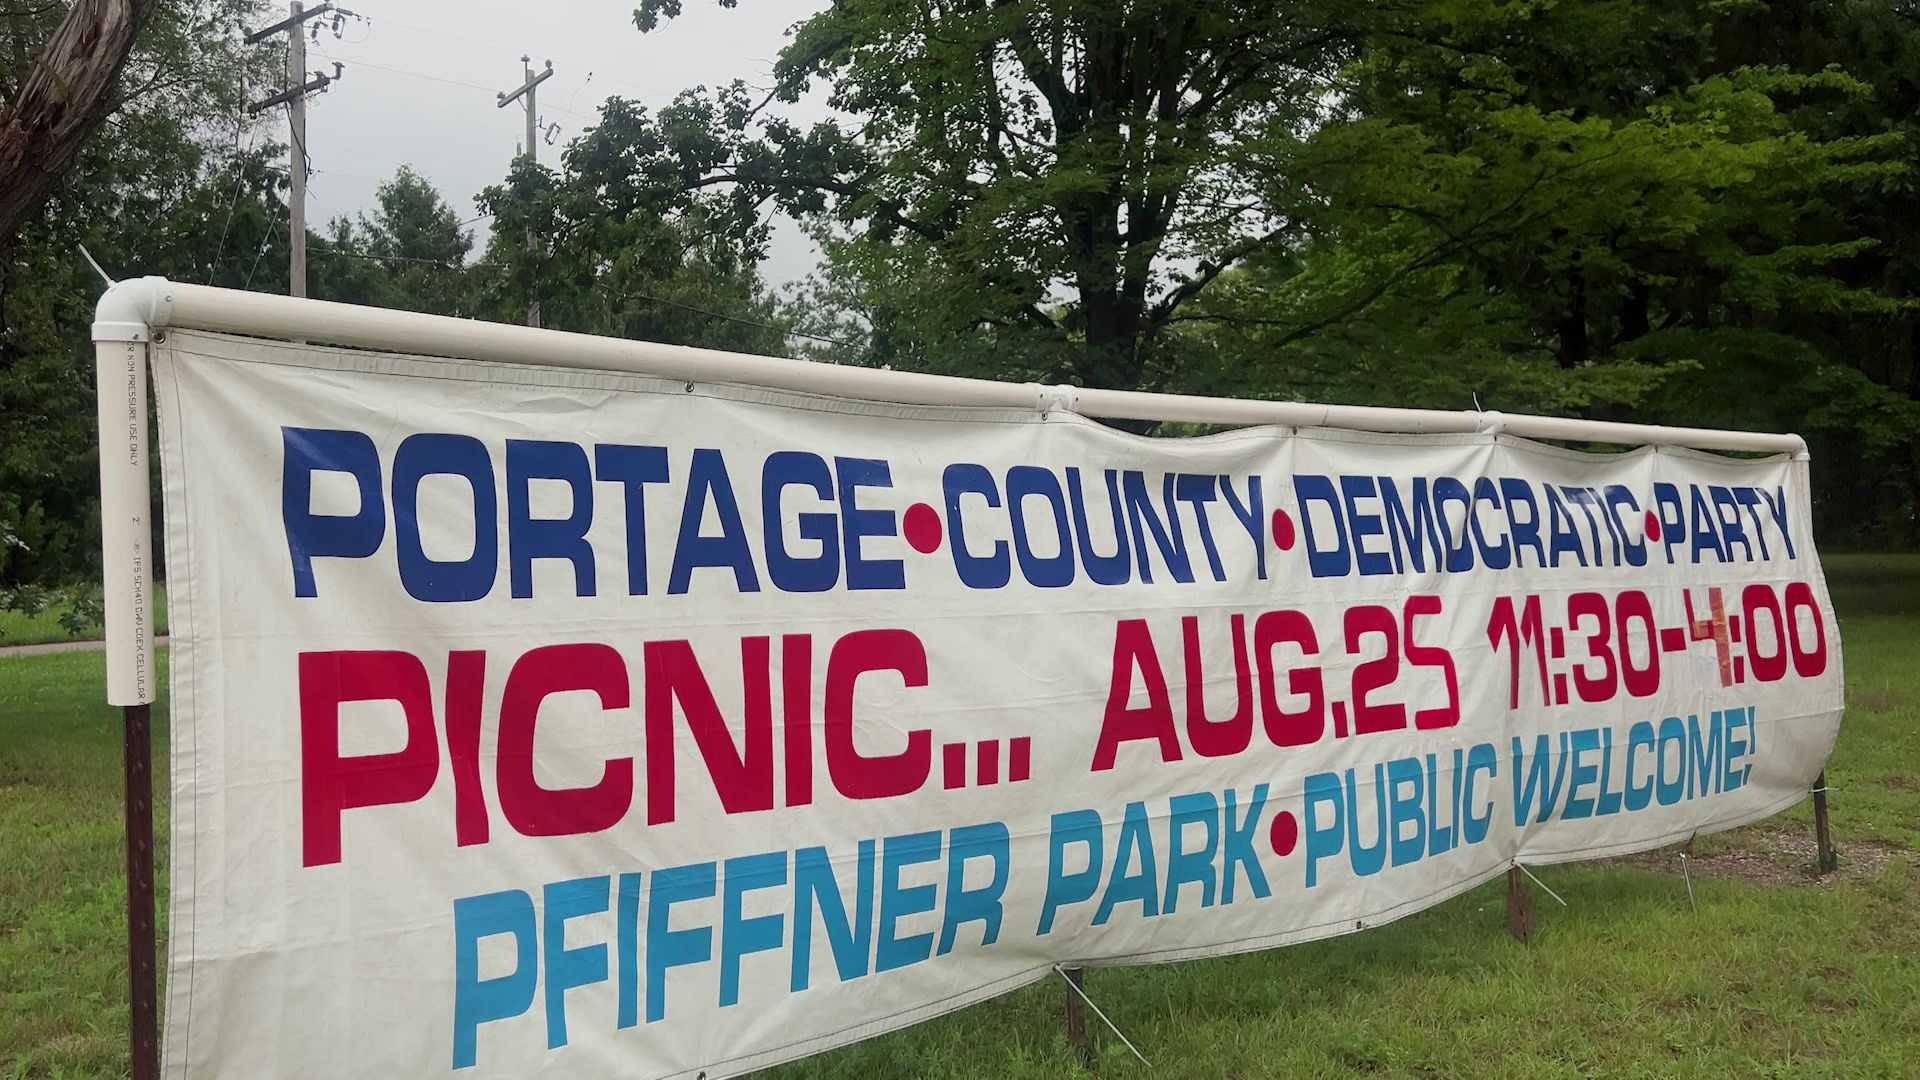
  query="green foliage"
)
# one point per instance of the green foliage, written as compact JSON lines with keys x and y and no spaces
{"x":75,"y":610}
{"x":147,"y":195}
{"x":1680,"y":211}
{"x":622,"y":245}
{"x":409,"y":254}
{"x":1057,"y":177}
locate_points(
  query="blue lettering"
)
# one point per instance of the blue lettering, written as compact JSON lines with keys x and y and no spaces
{"x":989,"y":841}
{"x":820,"y":571}
{"x":568,"y":968}
{"x":530,"y":538}
{"x":310,"y":536}
{"x":976,"y":571}
{"x":418,"y":457}
{"x":1053,"y":571}
{"x":633,"y":468}
{"x":478,"y":1001}
{"x":897,"y":853}
{"x":707,"y":482}
{"x":675,"y":948}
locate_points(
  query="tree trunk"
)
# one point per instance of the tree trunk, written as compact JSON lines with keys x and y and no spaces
{"x":70,"y":91}
{"x":1575,"y":347}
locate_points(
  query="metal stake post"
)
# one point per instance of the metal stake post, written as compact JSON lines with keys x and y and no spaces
{"x":1077,"y":1036}
{"x":1829,"y":859}
{"x":121,"y":330}
{"x":1520,"y":920}
{"x":143,"y":988}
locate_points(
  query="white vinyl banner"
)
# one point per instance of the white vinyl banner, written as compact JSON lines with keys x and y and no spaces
{"x":547,"y":722}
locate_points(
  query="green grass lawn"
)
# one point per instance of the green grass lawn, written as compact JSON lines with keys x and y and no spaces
{"x":1777,"y":976}
{"x":24,"y":628}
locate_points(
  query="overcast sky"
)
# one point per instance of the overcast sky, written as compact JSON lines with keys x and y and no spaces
{"x":421,"y":76}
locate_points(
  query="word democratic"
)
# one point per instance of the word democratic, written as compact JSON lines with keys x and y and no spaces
{"x":1054,"y":526}
{"x":532,"y":722}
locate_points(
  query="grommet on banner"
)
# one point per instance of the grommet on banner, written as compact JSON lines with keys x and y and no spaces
{"x":1064,"y":397}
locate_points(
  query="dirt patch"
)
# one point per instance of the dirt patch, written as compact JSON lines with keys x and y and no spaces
{"x":1899,"y":783}
{"x":1772,"y":856}
{"x":1874,"y":700}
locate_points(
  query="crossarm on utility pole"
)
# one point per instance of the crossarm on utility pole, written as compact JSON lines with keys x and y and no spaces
{"x":320,"y":82}
{"x":296,"y":19}
{"x":533,"y":80}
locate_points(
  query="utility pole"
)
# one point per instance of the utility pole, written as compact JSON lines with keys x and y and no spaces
{"x":527,"y":91}
{"x":295,"y":99}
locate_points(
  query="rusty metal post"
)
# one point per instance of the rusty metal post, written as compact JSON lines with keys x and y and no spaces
{"x":1829,"y":859}
{"x":1078,"y":1036}
{"x":1519,"y":905}
{"x":143,"y":995}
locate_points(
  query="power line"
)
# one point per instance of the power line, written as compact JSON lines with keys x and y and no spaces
{"x":441,"y":263}
{"x":415,"y":74}
{"x":299,"y":163}
{"x":239,"y":181}
{"x":498,"y":44}
{"x":434,"y":32}
{"x":450,"y":82}
{"x":266,"y":239}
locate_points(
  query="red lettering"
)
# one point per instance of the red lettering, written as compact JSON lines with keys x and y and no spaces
{"x":1133,"y":651}
{"x":1307,"y":724}
{"x":466,"y":679}
{"x":1640,"y":681}
{"x":330,"y":784}
{"x":742,"y":774}
{"x":1217,"y":738}
{"x":1758,"y":599}
{"x":1447,"y":715}
{"x":879,"y":776}
{"x":1807,"y":661}
{"x":534,"y":810}
{"x":1374,"y":674}
{"x":796,"y":707}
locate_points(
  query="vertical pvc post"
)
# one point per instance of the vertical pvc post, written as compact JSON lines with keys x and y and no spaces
{"x":126,"y":526}
{"x":126,"y":537}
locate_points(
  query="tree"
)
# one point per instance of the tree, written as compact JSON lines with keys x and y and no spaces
{"x":1672,"y":213}
{"x":70,"y":90}
{"x":166,"y":194}
{"x":410,"y":254}
{"x":1066,"y":175}
{"x":623,"y":248}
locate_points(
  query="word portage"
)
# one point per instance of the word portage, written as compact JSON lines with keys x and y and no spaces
{"x":539,"y":722}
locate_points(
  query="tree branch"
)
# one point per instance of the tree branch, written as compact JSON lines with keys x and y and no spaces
{"x":64,"y":99}
{"x":1203,"y":277}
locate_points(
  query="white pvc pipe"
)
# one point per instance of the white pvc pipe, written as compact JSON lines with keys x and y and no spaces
{"x":201,"y":307}
{"x":131,"y":311}
{"x":126,"y":528}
